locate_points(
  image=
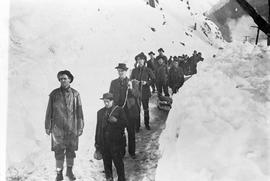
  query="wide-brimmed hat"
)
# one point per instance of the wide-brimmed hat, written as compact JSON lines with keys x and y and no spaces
{"x":151,"y":53}
{"x":161,"y":50}
{"x":107,"y":96}
{"x":65,"y":72}
{"x":122,"y":66}
{"x":141,"y":56}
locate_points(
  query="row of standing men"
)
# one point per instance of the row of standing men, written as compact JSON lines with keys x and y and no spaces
{"x":123,"y":105}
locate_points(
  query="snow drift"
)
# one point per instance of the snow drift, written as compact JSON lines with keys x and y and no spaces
{"x":218,"y":128}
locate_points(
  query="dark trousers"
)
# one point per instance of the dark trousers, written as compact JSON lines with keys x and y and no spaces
{"x":131,"y":132}
{"x":112,"y":154}
{"x":131,"y":136}
{"x":162,"y":86}
{"x":145,"y":104}
{"x":60,"y":154}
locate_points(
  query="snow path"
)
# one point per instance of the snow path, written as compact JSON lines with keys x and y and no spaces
{"x":86,"y":168}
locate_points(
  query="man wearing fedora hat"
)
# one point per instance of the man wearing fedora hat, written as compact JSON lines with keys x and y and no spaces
{"x":161,"y":55}
{"x":109,"y":140}
{"x":123,"y":95}
{"x":64,"y":121}
{"x":152,"y":64}
{"x":145,"y":77}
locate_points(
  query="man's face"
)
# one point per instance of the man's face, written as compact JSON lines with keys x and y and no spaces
{"x":141,"y":62}
{"x":108,"y":103}
{"x":160,"y":52}
{"x":122,"y":73}
{"x":64,"y":81}
{"x":151,"y":56}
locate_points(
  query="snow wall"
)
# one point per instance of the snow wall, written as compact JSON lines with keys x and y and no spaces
{"x":218,"y":128}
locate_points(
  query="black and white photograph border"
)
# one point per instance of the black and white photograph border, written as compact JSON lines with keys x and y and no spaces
{"x":136,"y":90}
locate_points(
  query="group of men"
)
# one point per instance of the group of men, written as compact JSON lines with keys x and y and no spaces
{"x":122,"y":106}
{"x":169,"y":73}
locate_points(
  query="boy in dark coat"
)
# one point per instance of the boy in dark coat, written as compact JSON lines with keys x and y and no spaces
{"x":162,"y":78}
{"x":122,"y":92}
{"x":109,"y":138}
{"x":176,"y":77}
{"x":145,"y":76}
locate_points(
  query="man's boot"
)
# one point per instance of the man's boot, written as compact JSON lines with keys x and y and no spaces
{"x":70,"y":174}
{"x":59,"y":176}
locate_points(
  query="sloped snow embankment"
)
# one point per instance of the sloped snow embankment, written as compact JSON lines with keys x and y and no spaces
{"x":218,"y":128}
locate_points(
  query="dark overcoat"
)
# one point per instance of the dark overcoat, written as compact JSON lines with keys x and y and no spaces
{"x":176,"y":77}
{"x":64,"y":118}
{"x":162,"y":73}
{"x":112,"y":132}
{"x":126,"y":98}
{"x":143,"y":74}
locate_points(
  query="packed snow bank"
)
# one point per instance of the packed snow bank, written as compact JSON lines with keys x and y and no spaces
{"x":218,"y":128}
{"x":89,"y":39}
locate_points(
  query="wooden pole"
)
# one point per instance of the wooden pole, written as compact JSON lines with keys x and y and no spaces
{"x":257,"y":37}
{"x":258,"y":33}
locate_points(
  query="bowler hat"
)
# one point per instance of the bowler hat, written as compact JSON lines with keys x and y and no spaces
{"x":107,"y":96}
{"x":161,"y":50}
{"x":151,"y":53}
{"x":122,"y":66}
{"x":65,"y":72}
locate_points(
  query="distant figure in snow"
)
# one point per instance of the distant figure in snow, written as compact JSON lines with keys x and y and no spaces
{"x":176,"y":77}
{"x":200,"y":58}
{"x":193,"y":61}
{"x":162,"y":78}
{"x":161,"y":55}
{"x":109,"y":139}
{"x":64,"y":121}
{"x":125,"y":97}
{"x":152,"y":64}
{"x":145,"y":77}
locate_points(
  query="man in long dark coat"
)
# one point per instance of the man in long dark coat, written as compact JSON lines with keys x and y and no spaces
{"x":162,"y":78}
{"x":161,"y":55}
{"x":176,"y":77}
{"x":121,"y":90}
{"x":152,"y":64}
{"x":109,"y":138}
{"x":145,"y":77}
{"x":64,"y":121}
